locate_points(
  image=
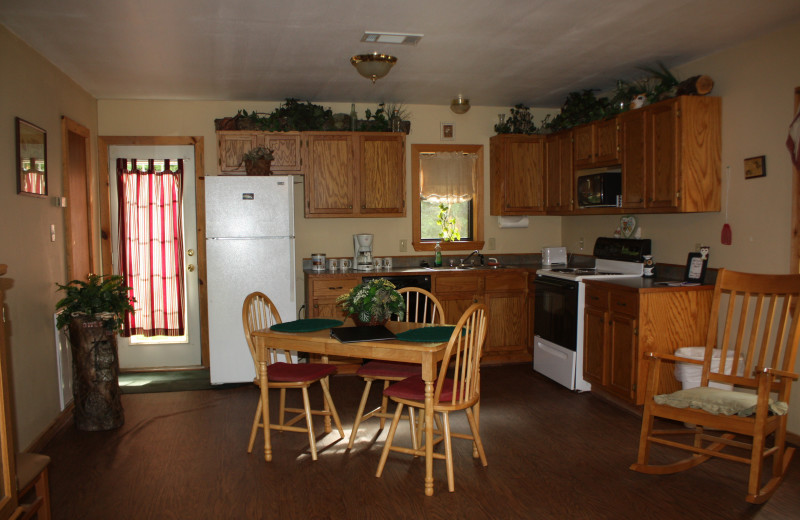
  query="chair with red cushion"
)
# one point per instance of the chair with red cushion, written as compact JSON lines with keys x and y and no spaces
{"x":258,"y":312}
{"x":457,"y":390}
{"x":425,"y":308}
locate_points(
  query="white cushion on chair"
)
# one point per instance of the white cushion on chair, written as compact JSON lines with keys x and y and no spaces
{"x":719,"y":402}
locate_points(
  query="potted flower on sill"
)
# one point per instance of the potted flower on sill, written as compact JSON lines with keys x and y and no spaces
{"x":372,"y":302}
{"x":93,"y":311}
{"x":258,"y":160}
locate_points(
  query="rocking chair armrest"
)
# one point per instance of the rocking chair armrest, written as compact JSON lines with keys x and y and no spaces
{"x":776,"y":372}
{"x":671,"y":357}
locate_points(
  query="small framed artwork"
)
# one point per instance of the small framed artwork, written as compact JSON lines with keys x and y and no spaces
{"x":31,"y":159}
{"x":448,"y":131}
{"x":696,"y":268}
{"x":755,"y":167}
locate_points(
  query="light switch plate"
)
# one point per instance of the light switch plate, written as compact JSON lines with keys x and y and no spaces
{"x":403,"y":245}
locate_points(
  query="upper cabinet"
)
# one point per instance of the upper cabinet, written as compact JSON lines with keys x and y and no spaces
{"x":559,"y":178}
{"x":354,"y":174}
{"x":517,"y":174}
{"x":597,"y":144}
{"x":233,"y":144}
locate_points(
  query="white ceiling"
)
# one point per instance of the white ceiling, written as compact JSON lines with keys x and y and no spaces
{"x":496,"y":53}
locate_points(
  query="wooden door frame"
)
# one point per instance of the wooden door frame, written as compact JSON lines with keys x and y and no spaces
{"x":67,"y":126}
{"x":103,"y":144}
{"x":794,"y":265}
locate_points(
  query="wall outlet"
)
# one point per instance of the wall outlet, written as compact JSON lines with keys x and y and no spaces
{"x":492,"y":245}
{"x":403,"y":245}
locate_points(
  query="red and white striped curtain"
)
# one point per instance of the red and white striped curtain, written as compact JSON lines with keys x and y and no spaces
{"x":151,"y":246}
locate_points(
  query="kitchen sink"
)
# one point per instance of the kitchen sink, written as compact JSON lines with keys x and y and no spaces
{"x":466,"y":268}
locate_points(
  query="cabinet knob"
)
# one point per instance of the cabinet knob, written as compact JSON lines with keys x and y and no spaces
{"x":363,"y":206}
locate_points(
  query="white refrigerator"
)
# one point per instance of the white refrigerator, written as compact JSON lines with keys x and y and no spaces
{"x":249,"y":247}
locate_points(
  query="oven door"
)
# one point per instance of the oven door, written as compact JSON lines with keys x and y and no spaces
{"x":555,"y":312}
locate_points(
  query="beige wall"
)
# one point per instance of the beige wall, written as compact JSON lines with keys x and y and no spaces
{"x":334,"y":236}
{"x":36,"y":91}
{"x":756,"y":81}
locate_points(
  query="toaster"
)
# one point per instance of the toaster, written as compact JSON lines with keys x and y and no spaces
{"x":554,"y":255}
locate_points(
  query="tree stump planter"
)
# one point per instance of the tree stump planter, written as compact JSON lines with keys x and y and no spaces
{"x":257,"y":167}
{"x":95,"y":376}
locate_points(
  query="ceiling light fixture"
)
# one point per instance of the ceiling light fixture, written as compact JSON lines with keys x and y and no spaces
{"x":459,"y":105}
{"x":373,"y":66}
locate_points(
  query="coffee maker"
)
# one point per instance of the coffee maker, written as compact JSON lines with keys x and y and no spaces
{"x":362,"y":255}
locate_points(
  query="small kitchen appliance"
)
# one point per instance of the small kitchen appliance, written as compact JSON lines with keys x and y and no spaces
{"x":362,"y":254}
{"x":554,"y":256}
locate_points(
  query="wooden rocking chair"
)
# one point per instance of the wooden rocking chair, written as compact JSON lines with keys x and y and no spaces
{"x":757,"y":316}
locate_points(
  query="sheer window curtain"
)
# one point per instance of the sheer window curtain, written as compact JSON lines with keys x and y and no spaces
{"x":151,"y":246}
{"x":447,"y":177}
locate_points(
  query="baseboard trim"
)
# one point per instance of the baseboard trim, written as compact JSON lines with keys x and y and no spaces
{"x":61,"y":421}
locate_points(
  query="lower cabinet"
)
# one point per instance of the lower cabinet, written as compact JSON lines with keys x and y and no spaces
{"x":321,"y":294}
{"x":622,"y":323}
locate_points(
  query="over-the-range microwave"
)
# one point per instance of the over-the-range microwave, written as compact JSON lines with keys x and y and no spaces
{"x":600,"y":187}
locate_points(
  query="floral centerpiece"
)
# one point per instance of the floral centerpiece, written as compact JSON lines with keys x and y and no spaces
{"x":373,"y":302}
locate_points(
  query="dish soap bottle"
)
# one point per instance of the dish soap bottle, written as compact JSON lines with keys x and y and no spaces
{"x":437,"y":255}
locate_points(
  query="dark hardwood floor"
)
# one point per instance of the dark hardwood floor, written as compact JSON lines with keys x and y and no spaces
{"x":552,"y":454}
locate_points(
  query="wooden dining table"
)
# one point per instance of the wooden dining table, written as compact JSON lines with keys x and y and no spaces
{"x":427,"y":355}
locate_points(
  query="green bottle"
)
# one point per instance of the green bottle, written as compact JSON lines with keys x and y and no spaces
{"x":437,"y":258}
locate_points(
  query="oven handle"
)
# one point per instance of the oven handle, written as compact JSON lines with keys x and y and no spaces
{"x":561,"y":285}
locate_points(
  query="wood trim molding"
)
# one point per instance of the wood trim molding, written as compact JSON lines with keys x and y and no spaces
{"x":478,"y":202}
{"x":103,"y":143}
{"x":794,"y":265}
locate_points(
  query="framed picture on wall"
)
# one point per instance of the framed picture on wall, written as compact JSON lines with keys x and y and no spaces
{"x":31,"y":146}
{"x":755,"y":167}
{"x":448,"y":132}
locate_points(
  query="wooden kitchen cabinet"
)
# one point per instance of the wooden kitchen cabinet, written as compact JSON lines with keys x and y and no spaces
{"x":322,"y":293}
{"x":457,"y":291}
{"x":632,"y":137}
{"x":517,"y":172}
{"x":560,"y":175}
{"x":622,"y":322}
{"x":354,"y":174}
{"x":597,"y":144}
{"x":232,"y":145}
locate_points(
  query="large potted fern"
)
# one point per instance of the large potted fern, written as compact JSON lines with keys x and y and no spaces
{"x":92,"y":312}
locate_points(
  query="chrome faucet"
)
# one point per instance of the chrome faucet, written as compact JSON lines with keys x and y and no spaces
{"x":476,"y":252}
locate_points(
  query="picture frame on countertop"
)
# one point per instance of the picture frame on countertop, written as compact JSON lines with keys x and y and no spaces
{"x":448,"y":131}
{"x":696,"y":265}
{"x":31,"y":148}
{"x":755,"y":167}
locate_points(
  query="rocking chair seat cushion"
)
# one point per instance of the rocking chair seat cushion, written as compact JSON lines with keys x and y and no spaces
{"x":413,"y":388}
{"x":389,"y":369}
{"x":719,"y":402}
{"x":297,"y":372}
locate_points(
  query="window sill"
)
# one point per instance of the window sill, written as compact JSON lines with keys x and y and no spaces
{"x":450,"y":246}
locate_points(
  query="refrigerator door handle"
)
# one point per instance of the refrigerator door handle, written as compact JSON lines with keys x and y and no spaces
{"x":291,"y":278}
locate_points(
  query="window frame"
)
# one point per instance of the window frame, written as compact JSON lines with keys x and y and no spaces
{"x":477,"y":201}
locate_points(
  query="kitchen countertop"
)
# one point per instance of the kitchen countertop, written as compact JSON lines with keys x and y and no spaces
{"x":643,"y":284}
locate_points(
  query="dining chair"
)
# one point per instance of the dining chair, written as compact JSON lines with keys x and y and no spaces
{"x":421,"y":307}
{"x":258,"y":312}
{"x":457,"y":387}
{"x":755,"y":326}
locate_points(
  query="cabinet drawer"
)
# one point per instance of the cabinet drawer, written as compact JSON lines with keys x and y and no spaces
{"x":505,"y":281}
{"x":331,"y":288}
{"x":625,"y":303}
{"x":456,"y":283}
{"x":596,"y":297}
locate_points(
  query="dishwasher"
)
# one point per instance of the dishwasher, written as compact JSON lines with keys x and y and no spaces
{"x":401,"y":281}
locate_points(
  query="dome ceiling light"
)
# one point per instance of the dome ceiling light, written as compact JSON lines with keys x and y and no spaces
{"x":459,"y":105}
{"x":373,"y":66}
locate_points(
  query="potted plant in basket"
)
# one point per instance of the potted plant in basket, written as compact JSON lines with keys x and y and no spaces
{"x":93,"y":311}
{"x":258,"y":160}
{"x":372,"y":302}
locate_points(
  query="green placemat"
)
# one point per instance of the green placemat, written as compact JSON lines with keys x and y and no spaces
{"x":427,"y":334}
{"x":308,"y":325}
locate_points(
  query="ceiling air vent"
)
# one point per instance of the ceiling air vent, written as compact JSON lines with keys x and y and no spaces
{"x":387,"y":37}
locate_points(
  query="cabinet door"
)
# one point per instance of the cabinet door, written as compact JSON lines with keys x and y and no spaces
{"x":584,"y":146}
{"x":330,"y":175}
{"x":633,"y":159}
{"x":594,"y":345}
{"x":622,"y":356}
{"x":231,"y":146}
{"x":287,"y":148}
{"x":505,"y":297}
{"x":382,"y":174}
{"x":662,"y":151}
{"x":565,"y":140}
{"x":559,"y":173}
{"x":517,"y":174}
{"x":322,"y":294}
{"x":606,"y":148}
{"x":457,"y":292}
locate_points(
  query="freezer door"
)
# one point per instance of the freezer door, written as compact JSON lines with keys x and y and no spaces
{"x":245,"y":206}
{"x":235,"y":269}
